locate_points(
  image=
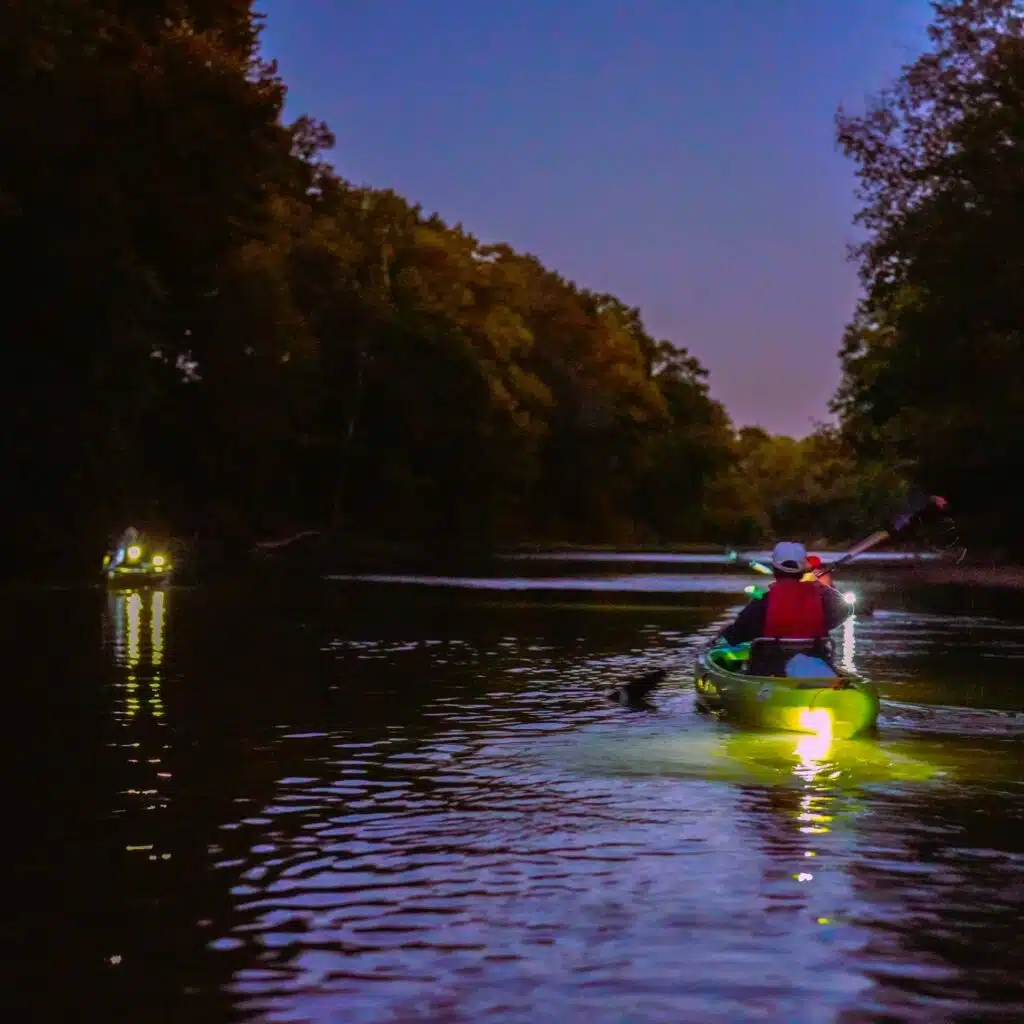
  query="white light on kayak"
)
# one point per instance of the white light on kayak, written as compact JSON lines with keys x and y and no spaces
{"x":816,"y":720}
{"x":850,"y":597}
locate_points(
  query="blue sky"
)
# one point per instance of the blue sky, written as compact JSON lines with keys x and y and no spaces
{"x":678,"y":153}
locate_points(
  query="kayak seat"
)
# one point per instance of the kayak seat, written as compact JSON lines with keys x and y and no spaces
{"x":770,"y":656}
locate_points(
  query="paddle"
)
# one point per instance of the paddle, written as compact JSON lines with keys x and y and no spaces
{"x":901,"y":522}
{"x":635,"y":689}
{"x":733,"y":556}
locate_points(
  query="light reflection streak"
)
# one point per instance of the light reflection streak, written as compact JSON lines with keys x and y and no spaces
{"x":138,"y":650}
{"x":133,"y":607}
{"x":157,"y":626}
{"x":849,"y":646}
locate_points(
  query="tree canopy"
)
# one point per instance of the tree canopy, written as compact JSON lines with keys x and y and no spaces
{"x":211,"y":332}
{"x":933,"y":361}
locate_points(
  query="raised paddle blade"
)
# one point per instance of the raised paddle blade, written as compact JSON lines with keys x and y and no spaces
{"x":917,"y":511}
{"x":734,"y":556}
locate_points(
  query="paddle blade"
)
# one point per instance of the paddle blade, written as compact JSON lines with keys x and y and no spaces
{"x":918,"y":512}
{"x":635,"y":689}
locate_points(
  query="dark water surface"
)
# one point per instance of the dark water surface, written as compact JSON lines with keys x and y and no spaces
{"x":410,"y":801}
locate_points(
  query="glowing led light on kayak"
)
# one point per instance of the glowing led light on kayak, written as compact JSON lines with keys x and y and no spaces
{"x":850,"y":597}
{"x":816,"y":720}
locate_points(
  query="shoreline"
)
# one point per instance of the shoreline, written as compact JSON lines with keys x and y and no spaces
{"x":974,"y":575}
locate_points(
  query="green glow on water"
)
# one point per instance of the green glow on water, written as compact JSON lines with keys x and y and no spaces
{"x":775,"y":759}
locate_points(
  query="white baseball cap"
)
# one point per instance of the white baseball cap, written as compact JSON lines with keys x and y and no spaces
{"x":790,"y":556}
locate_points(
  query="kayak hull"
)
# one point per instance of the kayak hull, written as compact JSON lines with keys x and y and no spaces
{"x":137,"y":566}
{"x":842,"y":705}
{"x":137,"y":577}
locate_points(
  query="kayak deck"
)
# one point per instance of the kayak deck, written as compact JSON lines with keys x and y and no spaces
{"x":840,"y":705}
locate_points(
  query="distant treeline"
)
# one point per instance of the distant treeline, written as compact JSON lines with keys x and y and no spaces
{"x":210,"y":332}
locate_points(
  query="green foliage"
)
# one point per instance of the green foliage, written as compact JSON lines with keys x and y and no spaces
{"x":815,"y":489}
{"x":211,"y":332}
{"x":934,"y":359}
{"x":139,"y":160}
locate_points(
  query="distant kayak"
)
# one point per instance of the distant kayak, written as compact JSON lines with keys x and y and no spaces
{"x":135,"y":565}
{"x":837,"y":703}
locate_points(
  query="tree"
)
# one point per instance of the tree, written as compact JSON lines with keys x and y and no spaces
{"x":140,"y":159}
{"x":213,"y":332}
{"x":934,"y":360}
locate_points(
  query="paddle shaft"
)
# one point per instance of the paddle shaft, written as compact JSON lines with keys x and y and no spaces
{"x":900,"y":523}
{"x":876,"y":538}
{"x":858,"y":549}
{"x":757,"y":566}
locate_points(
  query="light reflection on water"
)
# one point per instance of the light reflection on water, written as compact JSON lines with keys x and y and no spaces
{"x":443,"y":818}
{"x":542,"y":857}
{"x":621,"y":583}
{"x":702,"y":558}
{"x":135,"y":618}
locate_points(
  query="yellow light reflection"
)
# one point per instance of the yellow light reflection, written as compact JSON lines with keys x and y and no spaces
{"x":813,"y":749}
{"x":133,"y":608}
{"x":156,"y":626}
{"x":811,"y":806}
{"x":134,"y":553}
{"x":138,"y":646}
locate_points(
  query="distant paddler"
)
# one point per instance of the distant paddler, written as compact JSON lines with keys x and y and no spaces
{"x":753,"y":591}
{"x":129,"y":539}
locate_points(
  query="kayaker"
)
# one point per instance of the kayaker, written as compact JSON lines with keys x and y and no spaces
{"x":792,"y":609}
{"x":129,"y":537}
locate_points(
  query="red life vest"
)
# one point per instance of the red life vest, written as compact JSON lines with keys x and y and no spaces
{"x":795,"y":610}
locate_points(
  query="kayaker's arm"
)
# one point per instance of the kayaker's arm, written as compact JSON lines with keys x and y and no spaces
{"x":748,"y":625}
{"x":837,"y":611}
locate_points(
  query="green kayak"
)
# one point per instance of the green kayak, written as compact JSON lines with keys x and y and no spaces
{"x":841,"y":705}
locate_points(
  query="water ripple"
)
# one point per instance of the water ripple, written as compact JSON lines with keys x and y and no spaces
{"x":415,"y":803}
{"x":530,"y":863}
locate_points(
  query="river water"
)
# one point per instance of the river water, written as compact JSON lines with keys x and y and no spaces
{"x":379,"y":799}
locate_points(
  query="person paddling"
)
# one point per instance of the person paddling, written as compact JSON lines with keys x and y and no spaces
{"x":793,"y":608}
{"x":129,"y":537}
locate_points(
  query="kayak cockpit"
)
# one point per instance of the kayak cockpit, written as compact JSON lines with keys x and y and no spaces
{"x":809,"y":659}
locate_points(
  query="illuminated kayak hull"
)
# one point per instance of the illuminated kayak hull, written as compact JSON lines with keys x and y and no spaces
{"x":137,"y":576}
{"x":140,"y":566}
{"x":843,"y":705}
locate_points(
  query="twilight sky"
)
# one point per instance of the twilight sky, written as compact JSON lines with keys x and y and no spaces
{"x":678,"y":153}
